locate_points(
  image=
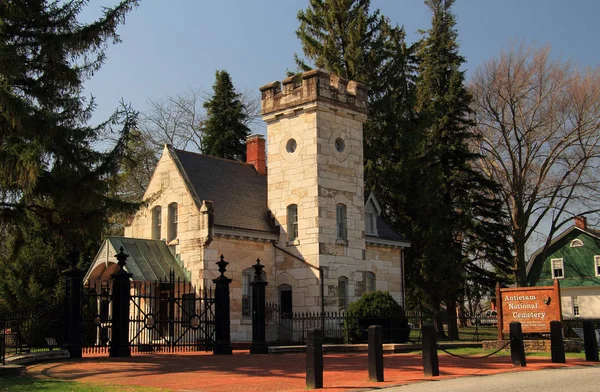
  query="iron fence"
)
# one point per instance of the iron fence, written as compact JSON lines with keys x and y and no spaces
{"x":34,"y":331}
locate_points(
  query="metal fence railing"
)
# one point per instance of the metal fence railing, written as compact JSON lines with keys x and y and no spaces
{"x":33,"y":331}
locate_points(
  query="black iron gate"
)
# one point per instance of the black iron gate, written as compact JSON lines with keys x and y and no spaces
{"x":96,"y":317}
{"x":168,"y":315}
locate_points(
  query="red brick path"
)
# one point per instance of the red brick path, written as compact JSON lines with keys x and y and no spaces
{"x":285,"y":372}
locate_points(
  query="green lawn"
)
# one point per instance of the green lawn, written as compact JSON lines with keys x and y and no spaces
{"x":26,"y":383}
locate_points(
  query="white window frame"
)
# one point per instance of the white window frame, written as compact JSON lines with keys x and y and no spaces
{"x":292,"y":222}
{"x":597,"y":265}
{"x":156,"y":222}
{"x":343,"y":292}
{"x":575,"y":302}
{"x":247,"y":276}
{"x":341,"y":223}
{"x":173,"y":217}
{"x":556,"y":262}
{"x":576,"y":243}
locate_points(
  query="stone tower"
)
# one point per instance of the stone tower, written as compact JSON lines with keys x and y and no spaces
{"x":315,"y":180}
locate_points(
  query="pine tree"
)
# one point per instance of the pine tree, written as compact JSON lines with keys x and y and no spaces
{"x":456,"y":215}
{"x":54,"y":186}
{"x":224,"y":131}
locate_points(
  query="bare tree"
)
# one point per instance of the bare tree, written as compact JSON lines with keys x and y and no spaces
{"x":177,"y":119}
{"x":539,"y":122}
{"x":174,"y":120}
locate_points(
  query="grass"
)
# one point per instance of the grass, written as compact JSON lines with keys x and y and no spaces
{"x":27,"y":383}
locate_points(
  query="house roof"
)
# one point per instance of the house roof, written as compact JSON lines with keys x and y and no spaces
{"x":384,"y":231}
{"x":237,"y":191}
{"x":149,"y":260}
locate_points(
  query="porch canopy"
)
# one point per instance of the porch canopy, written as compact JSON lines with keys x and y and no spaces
{"x":149,"y":260}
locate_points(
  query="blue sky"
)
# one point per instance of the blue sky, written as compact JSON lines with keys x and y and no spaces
{"x":169,"y":46}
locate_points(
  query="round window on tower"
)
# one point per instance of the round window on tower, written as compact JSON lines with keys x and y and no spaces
{"x":291,"y":146}
{"x":340,"y":146}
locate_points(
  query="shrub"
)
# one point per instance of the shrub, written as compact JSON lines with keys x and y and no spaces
{"x":374,"y":308}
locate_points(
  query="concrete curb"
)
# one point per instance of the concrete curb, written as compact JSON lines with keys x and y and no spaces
{"x":11,"y":370}
{"x":28,"y":358}
{"x":391,"y":348}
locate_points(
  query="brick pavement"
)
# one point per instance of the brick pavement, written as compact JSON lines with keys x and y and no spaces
{"x":285,"y":372}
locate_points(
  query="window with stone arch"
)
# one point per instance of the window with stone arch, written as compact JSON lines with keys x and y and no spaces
{"x":343,"y":292}
{"x":292,"y":222}
{"x":340,"y":218}
{"x":172,"y":229}
{"x":156,"y":222}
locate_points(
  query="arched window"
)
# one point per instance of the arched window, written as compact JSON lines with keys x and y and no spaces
{"x":370,"y":282}
{"x":156,"y":222}
{"x":172,"y":229}
{"x":343,"y":292}
{"x":340,"y":218}
{"x":576,"y":243}
{"x":292,"y":222}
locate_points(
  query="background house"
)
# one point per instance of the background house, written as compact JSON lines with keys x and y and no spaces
{"x":573,"y":258}
{"x":304,"y":216}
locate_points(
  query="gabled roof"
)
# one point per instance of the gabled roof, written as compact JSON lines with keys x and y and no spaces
{"x":384,"y":231}
{"x":149,"y":260}
{"x":237,"y":191}
{"x":558,"y":238}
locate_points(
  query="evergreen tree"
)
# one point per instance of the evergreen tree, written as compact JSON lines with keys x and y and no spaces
{"x":54,"y":187}
{"x":456,"y":216}
{"x":225,"y":130}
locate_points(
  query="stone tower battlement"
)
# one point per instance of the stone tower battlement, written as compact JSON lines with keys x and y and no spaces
{"x":313,"y":86}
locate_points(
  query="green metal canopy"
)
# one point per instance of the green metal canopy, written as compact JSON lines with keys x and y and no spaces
{"x":149,"y":260}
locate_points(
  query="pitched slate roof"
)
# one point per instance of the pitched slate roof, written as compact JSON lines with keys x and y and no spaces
{"x":385,"y":231}
{"x":149,"y":260}
{"x":237,"y":191}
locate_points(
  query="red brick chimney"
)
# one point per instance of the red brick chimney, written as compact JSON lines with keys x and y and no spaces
{"x":255,"y":153}
{"x":581,"y":222}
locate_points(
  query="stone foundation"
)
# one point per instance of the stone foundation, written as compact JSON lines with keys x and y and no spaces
{"x":571,"y":346}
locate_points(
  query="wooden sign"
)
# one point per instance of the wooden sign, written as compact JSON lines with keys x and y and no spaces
{"x":533,"y":307}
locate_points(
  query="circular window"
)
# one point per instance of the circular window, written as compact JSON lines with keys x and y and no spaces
{"x":291,"y":146}
{"x":339,"y":145}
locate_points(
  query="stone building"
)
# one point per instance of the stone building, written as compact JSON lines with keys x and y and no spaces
{"x":298,"y":206}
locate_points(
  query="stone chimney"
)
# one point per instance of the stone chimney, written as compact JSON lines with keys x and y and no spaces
{"x":255,"y":153}
{"x":581,"y":222}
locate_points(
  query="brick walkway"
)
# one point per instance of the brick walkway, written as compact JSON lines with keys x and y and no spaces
{"x":286,"y":372}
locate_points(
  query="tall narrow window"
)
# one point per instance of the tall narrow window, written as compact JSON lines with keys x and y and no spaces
{"x":557,"y":269}
{"x":292,"y":222}
{"x":247,"y":293}
{"x":575,"y":301}
{"x":343,"y":292}
{"x":172,"y":221}
{"x":370,"y":282}
{"x":156,"y":222}
{"x":340,"y":217}
{"x":370,"y":216}
{"x":597,"y":265}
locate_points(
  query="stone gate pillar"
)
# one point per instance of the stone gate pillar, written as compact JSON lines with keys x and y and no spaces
{"x":222,"y":317}
{"x":259,"y":284}
{"x":119,"y":344}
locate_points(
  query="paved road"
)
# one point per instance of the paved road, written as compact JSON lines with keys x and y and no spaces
{"x":575,"y":379}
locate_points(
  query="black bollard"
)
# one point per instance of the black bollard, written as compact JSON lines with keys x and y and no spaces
{"x":517,"y":349}
{"x":590,"y":342}
{"x":314,"y":359}
{"x":375,"y":354}
{"x":431,"y":365}
{"x":557,"y":346}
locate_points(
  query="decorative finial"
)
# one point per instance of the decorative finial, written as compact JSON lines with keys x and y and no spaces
{"x":222,"y":264}
{"x":121,"y":257}
{"x":258,"y":267}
